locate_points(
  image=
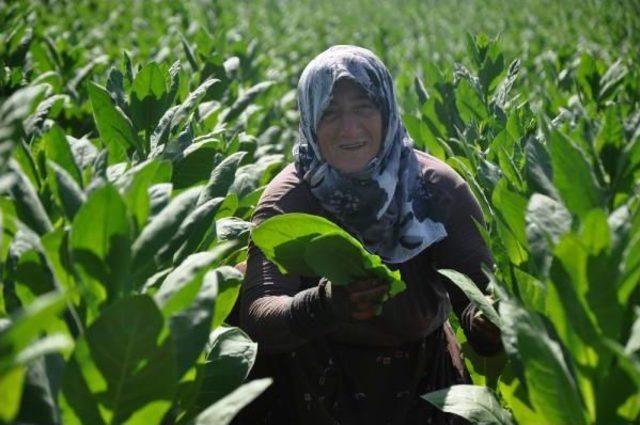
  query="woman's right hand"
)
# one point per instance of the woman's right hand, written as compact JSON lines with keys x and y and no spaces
{"x":360,"y":300}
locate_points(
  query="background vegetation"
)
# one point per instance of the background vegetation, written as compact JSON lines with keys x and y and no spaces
{"x":136,"y":137}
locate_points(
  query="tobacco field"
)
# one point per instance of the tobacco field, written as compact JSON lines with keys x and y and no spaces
{"x":136,"y":138}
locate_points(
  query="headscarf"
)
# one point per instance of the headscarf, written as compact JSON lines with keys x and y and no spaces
{"x":385,"y":205}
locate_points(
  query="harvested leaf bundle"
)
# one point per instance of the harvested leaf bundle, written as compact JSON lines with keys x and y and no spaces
{"x":309,"y":245}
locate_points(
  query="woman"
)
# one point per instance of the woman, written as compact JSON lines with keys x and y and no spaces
{"x":333,"y":359}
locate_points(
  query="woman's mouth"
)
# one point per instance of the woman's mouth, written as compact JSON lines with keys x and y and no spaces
{"x":351,"y":146}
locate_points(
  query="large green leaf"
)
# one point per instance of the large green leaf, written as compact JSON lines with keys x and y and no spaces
{"x":308,"y":245}
{"x":538,"y":168}
{"x":469,"y":102}
{"x":192,"y":231}
{"x":190,"y":316}
{"x":39,"y":404}
{"x":612,"y":79}
{"x":244,"y":100}
{"x":546,"y":221}
{"x":512,"y":207}
{"x":587,"y":76}
{"x":175,"y":116}
{"x":65,"y":190}
{"x":122,"y":368}
{"x":602,"y":270}
{"x":11,"y":383}
{"x":229,"y":282}
{"x":618,"y":397}
{"x":221,"y":178}
{"x":424,"y":136}
{"x":20,"y":346}
{"x":573,"y":175}
{"x":182,"y":285}
{"x":56,"y":250}
{"x":532,"y":291}
{"x":355,"y":262}
{"x":100,"y":245}
{"x":515,"y":252}
{"x":280,"y":238}
{"x":116,"y":130}
{"x":25,"y":158}
{"x":28,"y":205}
{"x":321,"y":254}
{"x":484,"y":371}
{"x":229,"y":206}
{"x":568,"y":275}
{"x":258,"y":173}
{"x":232,"y":228}
{"x":159,"y":231}
{"x":27,"y":325}
{"x":58,"y":150}
{"x":135,"y":184}
{"x":186,"y":298}
{"x":147,"y":97}
{"x":248,"y":202}
{"x":571,"y":323}
{"x":192,"y":101}
{"x":514,"y":395}
{"x":633,"y":343}
{"x":29,"y":271}
{"x":552,"y":388}
{"x":194,"y":165}
{"x":230,"y":355}
{"x":476,"y":404}
{"x":500,"y":97}
{"x":1,"y":250}
{"x":13,"y":110}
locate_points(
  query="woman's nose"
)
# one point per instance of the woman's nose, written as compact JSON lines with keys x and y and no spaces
{"x":348,"y":125}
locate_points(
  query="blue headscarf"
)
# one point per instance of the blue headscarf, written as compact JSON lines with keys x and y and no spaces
{"x":385,"y":204}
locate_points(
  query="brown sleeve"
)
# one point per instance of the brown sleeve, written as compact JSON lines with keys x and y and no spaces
{"x":275,"y":312}
{"x":464,"y":250}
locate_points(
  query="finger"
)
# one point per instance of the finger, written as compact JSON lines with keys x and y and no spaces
{"x":364,"y":306}
{"x":374,"y":294}
{"x":487,"y":329}
{"x":369,"y":292}
{"x":357,"y":286}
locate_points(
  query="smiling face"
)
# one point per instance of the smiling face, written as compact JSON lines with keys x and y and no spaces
{"x":350,"y":130}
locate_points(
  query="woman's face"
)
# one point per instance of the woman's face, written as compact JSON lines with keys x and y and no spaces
{"x":350,"y":130}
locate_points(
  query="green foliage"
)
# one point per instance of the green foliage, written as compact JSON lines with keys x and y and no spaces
{"x":137,"y":138}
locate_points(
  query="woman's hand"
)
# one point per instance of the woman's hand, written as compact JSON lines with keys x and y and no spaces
{"x":484,"y":336}
{"x":360,"y":300}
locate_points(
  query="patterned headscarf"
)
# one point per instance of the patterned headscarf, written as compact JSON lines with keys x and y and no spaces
{"x":386,"y":204}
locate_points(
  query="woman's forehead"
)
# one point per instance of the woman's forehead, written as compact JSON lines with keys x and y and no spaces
{"x":349,"y":88}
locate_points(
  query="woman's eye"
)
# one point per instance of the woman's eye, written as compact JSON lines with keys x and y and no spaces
{"x":328,"y":114}
{"x":365,"y":108}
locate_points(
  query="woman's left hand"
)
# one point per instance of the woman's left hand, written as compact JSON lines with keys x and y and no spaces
{"x":484,"y":336}
{"x":363,"y":299}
